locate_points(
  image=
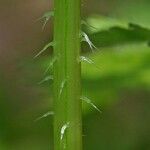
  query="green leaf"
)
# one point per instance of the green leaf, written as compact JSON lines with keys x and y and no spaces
{"x":110,"y":32}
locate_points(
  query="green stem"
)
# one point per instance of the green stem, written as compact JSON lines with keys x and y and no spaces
{"x":67,"y":74}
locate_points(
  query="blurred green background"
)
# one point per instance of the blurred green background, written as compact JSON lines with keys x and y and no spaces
{"x":118,"y":82}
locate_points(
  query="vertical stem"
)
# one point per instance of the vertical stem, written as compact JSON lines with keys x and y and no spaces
{"x":67,"y":74}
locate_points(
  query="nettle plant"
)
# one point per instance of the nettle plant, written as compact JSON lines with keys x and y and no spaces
{"x":66,"y":64}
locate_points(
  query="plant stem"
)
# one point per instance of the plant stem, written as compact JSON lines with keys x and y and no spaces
{"x":67,"y":74}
